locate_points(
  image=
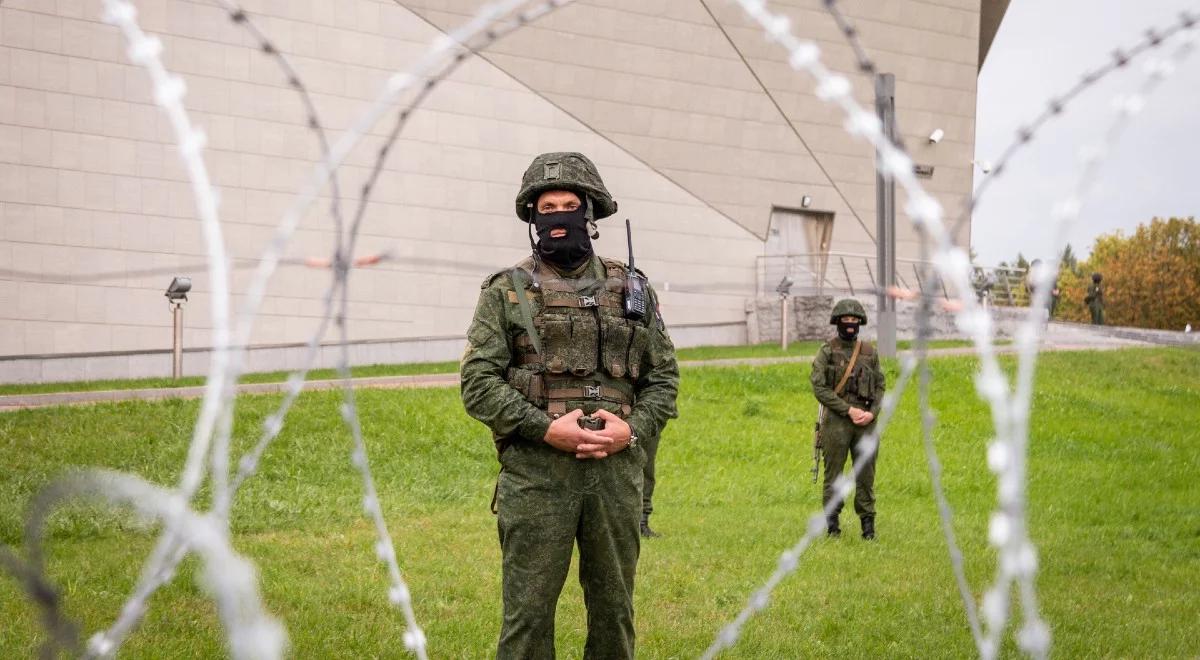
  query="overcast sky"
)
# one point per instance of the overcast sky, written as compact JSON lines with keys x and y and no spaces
{"x":1042,"y":48}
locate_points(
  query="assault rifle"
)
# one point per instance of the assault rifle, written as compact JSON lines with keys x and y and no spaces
{"x":816,"y":468}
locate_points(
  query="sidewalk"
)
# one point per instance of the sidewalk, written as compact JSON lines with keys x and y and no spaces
{"x":1057,"y":339}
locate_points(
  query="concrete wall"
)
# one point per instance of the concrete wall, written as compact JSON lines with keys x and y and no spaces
{"x":697,"y":125}
{"x":809,"y":319}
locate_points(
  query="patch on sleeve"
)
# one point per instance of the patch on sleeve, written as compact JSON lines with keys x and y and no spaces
{"x":487,"y":281}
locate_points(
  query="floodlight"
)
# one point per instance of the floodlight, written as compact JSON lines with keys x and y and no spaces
{"x":178,"y":289}
{"x":805,"y":201}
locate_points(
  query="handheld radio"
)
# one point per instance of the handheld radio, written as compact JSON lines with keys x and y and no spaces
{"x":635,"y":284}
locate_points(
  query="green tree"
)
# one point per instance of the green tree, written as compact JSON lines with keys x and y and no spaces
{"x":1068,"y":260}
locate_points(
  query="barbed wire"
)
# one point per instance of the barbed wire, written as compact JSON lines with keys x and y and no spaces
{"x":928,"y":420}
{"x":169,"y":90}
{"x":160,"y":566}
{"x":231,"y":579}
{"x":789,"y":561}
{"x":1017,"y":559}
{"x":1155,"y":37}
{"x":926,"y":214}
{"x":208,"y":533}
{"x":1010,"y":415}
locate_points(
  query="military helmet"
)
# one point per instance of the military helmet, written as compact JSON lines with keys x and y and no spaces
{"x":564,"y":170}
{"x":848,"y":307}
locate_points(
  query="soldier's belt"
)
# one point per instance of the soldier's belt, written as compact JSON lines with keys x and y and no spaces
{"x":598,"y":392}
{"x":557,"y":398}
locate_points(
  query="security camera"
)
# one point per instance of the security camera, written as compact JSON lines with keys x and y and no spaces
{"x":785,"y":285}
{"x":179,"y":288}
{"x":984,"y":166}
{"x":936,"y":136}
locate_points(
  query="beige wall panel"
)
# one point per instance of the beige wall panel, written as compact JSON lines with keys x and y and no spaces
{"x":695,"y":152}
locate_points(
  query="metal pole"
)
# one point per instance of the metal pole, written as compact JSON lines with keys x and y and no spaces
{"x":177,"y":348}
{"x":846,"y":272}
{"x":885,"y":219}
{"x":783,"y":322}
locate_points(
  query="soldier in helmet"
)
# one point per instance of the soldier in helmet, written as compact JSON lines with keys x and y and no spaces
{"x":1095,"y":299}
{"x":848,"y":383}
{"x":570,"y":384}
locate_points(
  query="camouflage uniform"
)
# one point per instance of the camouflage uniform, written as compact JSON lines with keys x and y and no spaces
{"x":648,"y":481}
{"x":1095,"y":300}
{"x":839,"y":436}
{"x":592,"y":358}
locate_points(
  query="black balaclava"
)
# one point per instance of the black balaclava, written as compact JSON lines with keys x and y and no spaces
{"x":848,"y":331}
{"x":571,"y":251}
{"x":1096,"y":278}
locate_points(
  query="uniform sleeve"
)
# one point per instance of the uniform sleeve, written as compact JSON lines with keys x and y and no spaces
{"x":486,"y":394}
{"x":879,"y":382}
{"x":658,"y":384}
{"x":821,"y":389}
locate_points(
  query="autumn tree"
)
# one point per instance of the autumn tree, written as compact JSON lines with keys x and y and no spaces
{"x":1152,"y":278}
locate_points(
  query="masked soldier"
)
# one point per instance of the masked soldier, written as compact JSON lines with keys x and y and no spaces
{"x":848,"y":383}
{"x":1095,"y":299}
{"x":569,"y":364}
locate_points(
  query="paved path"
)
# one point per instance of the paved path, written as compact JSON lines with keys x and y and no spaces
{"x":1059,"y":337}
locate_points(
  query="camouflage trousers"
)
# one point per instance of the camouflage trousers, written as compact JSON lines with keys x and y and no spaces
{"x":1097,"y":314}
{"x":547,"y":501}
{"x":651,"y":448}
{"x":840,"y":439}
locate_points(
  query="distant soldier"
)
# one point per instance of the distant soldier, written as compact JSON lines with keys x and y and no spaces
{"x":1095,"y":299}
{"x":848,"y":382}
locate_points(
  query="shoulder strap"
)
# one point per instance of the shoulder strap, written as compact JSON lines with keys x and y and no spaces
{"x":849,"y":367}
{"x":519,"y":278}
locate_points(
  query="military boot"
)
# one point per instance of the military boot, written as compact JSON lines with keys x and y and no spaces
{"x":868,"y":528}
{"x":832,"y":527}
{"x":646,"y":531}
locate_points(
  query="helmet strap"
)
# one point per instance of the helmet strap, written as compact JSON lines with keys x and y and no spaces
{"x":529,"y":227}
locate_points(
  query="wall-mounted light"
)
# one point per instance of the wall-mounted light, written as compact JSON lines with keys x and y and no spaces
{"x":805,"y":201}
{"x":983,"y":165}
{"x":936,"y":136}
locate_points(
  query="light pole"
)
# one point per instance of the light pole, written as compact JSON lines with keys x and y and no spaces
{"x":784,"y":288}
{"x":177,"y":295}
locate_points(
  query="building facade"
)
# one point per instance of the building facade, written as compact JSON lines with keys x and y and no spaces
{"x":717,"y":151}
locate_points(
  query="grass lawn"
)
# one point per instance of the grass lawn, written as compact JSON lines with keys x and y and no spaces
{"x":695,"y":353}
{"x":1114,"y":499}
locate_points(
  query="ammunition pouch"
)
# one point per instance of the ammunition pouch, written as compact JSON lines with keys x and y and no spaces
{"x":590,"y":353}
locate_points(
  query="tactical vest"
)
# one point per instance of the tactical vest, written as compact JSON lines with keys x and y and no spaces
{"x":591,"y":354}
{"x":860,"y":387}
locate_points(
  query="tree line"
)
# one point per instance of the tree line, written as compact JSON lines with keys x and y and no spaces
{"x":1151,"y":277}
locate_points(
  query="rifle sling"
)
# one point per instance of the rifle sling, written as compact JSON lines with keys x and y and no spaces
{"x":849,"y":367}
{"x":518,"y":277}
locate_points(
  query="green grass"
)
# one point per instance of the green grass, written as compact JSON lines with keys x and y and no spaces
{"x":770,"y":350}
{"x":1113,"y":505}
{"x":262,"y":377}
{"x":697,"y":353}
